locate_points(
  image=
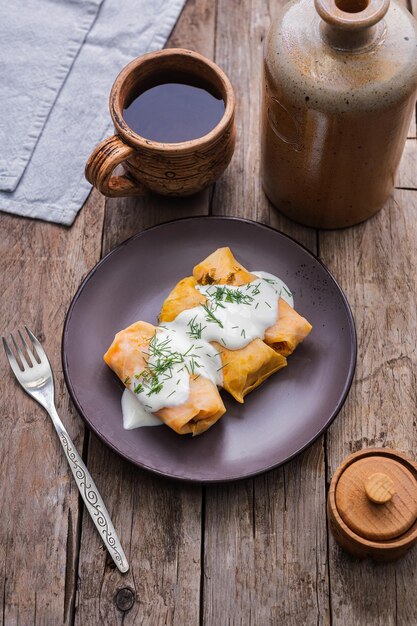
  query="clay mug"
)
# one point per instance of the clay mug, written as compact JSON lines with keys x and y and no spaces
{"x":173,"y":169}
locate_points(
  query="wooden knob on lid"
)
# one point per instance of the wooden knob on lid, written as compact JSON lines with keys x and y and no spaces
{"x":373,"y":503}
{"x":379,"y":488}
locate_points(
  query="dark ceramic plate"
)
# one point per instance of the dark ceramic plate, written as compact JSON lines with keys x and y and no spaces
{"x":279,"y":419}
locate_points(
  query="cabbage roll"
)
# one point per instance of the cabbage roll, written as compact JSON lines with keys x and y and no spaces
{"x":128,"y":357}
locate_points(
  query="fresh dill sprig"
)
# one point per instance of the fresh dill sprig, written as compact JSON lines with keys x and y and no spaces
{"x":287,"y":291}
{"x":192,"y":366}
{"x":160,"y":368}
{"x":239,"y":297}
{"x":161,"y":360}
{"x":196,"y":328}
{"x":138,"y":388}
{"x":155,"y":389}
{"x":220,"y":294}
{"x":210,"y":317}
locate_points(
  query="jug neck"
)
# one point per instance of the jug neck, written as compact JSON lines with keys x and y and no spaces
{"x":351,"y":25}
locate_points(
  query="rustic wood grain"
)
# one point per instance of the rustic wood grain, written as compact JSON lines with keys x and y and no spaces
{"x":411,"y":5}
{"x":41,"y":266}
{"x":381,"y":476}
{"x":412,"y":131}
{"x":406,"y":177}
{"x":272,"y":570}
{"x":159,"y":525}
{"x":376,"y":265}
{"x":271,"y":535}
{"x":159,"y":522}
{"x":240,"y":32}
{"x":379,"y":488}
{"x":263,"y":541}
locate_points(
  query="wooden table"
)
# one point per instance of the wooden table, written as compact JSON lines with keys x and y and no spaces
{"x":257,"y":552}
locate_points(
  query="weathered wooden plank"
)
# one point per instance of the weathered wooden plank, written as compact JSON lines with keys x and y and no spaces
{"x":195,"y":28}
{"x":271,"y":535}
{"x":159,"y":521}
{"x":412,"y":131}
{"x":411,"y":5}
{"x":406,"y":177}
{"x":264,"y":539}
{"x":376,"y":264}
{"x":270,"y":531}
{"x":241,"y":29}
{"x":159,"y":524}
{"x":41,"y":265}
{"x":127,"y":216}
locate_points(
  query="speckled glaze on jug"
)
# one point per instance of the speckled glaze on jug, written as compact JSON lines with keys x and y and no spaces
{"x":340,"y":79}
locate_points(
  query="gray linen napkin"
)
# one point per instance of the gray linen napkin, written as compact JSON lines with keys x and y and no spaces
{"x":38,"y":45}
{"x":52,"y":186}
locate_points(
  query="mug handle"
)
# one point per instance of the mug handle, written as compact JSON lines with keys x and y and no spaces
{"x":103,"y":160}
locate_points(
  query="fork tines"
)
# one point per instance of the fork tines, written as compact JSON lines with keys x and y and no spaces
{"x":26,"y":357}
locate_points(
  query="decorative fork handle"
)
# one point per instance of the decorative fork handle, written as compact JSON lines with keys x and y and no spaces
{"x":90,"y":495}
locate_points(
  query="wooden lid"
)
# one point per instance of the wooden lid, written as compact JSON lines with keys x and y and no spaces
{"x":376,"y":497}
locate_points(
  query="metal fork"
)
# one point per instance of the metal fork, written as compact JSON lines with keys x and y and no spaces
{"x":34,"y":374}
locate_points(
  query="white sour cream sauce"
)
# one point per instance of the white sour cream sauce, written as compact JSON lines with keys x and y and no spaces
{"x":233,"y":317}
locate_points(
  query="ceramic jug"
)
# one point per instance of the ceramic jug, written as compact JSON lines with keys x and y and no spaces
{"x":340,"y":79}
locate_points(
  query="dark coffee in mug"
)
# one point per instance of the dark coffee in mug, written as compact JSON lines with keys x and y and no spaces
{"x":173,"y":112}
